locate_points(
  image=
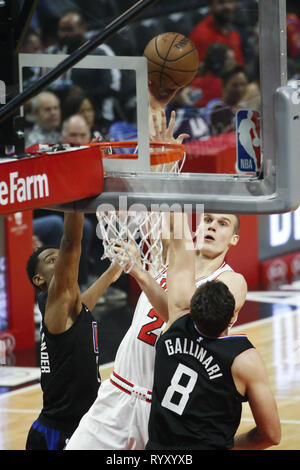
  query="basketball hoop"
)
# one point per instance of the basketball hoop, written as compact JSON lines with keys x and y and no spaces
{"x":164,"y":156}
{"x":138,"y":233}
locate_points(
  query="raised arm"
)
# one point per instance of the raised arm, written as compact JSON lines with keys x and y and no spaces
{"x":155,"y":293}
{"x":237,"y":285}
{"x":251,"y":378}
{"x":181,"y":268}
{"x":98,"y":288}
{"x":63,"y":302}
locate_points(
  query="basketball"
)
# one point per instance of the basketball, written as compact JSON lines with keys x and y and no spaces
{"x":173,"y":60}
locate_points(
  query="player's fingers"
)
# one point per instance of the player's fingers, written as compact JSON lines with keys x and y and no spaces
{"x":171,"y":124}
{"x":181,"y":138}
{"x":155,"y":135}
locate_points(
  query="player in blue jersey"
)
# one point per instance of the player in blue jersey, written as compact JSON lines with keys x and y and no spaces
{"x":202,"y":375}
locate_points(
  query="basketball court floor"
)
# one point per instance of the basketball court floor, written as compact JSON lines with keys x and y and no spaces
{"x":275,"y":332}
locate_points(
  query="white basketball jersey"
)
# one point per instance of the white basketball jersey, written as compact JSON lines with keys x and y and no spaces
{"x":136,"y":354}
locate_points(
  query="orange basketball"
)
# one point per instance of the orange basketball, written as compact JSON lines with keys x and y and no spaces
{"x":173,"y":60}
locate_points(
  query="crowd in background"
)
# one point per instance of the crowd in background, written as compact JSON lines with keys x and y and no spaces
{"x":85,"y":104}
{"x":225,"y":33}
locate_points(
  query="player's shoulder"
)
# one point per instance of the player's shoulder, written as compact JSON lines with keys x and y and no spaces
{"x":231,"y":275}
{"x":248,"y":363}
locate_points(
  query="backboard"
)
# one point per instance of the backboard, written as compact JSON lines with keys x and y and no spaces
{"x":262,"y":178}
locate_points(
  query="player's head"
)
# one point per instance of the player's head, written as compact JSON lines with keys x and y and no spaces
{"x":218,"y":232}
{"x":40,"y":267}
{"x":212,"y":308}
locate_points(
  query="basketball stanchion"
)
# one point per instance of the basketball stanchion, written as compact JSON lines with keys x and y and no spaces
{"x":137,"y":231}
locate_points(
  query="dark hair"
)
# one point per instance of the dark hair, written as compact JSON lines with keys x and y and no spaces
{"x":33,"y":261}
{"x":214,"y":60}
{"x":212,"y":307}
{"x":228,"y":75}
{"x":73,"y":101}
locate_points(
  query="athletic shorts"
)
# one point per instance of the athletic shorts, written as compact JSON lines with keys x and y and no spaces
{"x":116,"y":421}
{"x":41,"y":437}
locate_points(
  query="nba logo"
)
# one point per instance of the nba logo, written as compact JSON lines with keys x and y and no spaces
{"x":248,"y":141}
{"x":95,"y":336}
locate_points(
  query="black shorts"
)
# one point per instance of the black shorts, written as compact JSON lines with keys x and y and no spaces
{"x":41,"y":437}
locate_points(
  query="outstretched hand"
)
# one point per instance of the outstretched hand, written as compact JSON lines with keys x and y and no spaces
{"x":163,"y":132}
{"x":128,"y":254}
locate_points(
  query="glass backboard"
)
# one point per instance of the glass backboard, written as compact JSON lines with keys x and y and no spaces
{"x":242,"y":158}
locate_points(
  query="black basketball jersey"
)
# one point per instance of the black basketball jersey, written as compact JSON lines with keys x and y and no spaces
{"x":70,"y":376}
{"x":195,"y":404}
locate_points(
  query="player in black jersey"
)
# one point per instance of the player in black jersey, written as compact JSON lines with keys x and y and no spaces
{"x":201,"y":374}
{"x":69,"y":354}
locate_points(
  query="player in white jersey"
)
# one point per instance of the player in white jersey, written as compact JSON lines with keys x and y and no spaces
{"x":118,"y":420}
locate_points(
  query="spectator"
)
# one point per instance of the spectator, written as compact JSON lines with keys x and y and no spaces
{"x":75,"y":131}
{"x":47,"y":115}
{"x":48,"y":230}
{"x":32,"y":44}
{"x":189,"y":118}
{"x":220,"y":114}
{"x":218,"y":27}
{"x":293,"y":35}
{"x":103,"y":85}
{"x":78,"y":102}
{"x":219,"y":59}
{"x":253,"y":94}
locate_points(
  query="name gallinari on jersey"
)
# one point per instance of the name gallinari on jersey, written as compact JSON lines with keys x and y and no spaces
{"x":187,"y":346}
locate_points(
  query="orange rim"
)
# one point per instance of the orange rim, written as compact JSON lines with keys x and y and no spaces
{"x":172,"y":151}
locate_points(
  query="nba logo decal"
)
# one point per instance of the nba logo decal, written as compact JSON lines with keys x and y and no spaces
{"x":248,"y":141}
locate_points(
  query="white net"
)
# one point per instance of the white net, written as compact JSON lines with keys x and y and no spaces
{"x":136,"y":235}
{"x":135,"y":238}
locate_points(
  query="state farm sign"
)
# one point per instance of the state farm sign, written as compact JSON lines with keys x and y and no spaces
{"x":16,"y":189}
{"x":49,"y":179}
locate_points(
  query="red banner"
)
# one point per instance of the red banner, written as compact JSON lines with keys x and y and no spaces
{"x":214,"y":155}
{"x":49,"y":179}
{"x":20,"y":293}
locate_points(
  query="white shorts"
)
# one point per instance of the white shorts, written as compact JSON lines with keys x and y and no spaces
{"x":116,"y":421}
